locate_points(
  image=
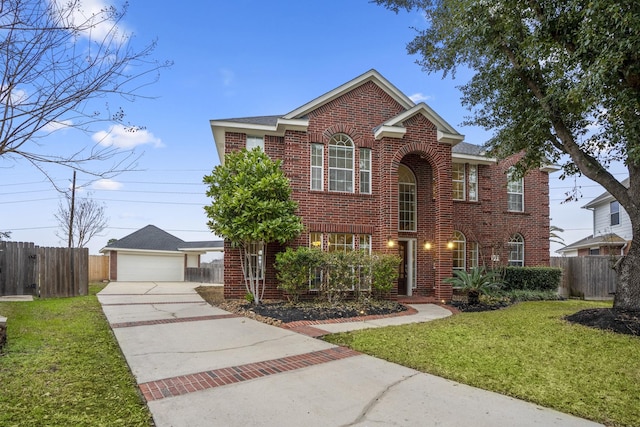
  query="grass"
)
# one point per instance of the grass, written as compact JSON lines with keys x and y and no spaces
{"x":62,"y":367}
{"x":526,"y":351}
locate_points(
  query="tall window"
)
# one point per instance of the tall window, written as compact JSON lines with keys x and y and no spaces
{"x":317,"y":166}
{"x":255,"y":141}
{"x":516,"y":250}
{"x":459,"y":251}
{"x":515,"y":192}
{"x":341,"y":163}
{"x":364,"y":243}
{"x":614,"y":209}
{"x":473,"y":183}
{"x":457,"y":181}
{"x":474,"y":254}
{"x":406,"y":199}
{"x":365,"y":170}
{"x":254,"y":265}
{"x":315,"y":240}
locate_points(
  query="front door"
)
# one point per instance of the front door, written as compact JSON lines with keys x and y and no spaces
{"x":403,"y":268}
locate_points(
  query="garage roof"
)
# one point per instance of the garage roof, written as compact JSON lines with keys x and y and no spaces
{"x":153,"y":238}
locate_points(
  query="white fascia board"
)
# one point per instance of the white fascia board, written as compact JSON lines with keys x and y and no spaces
{"x":221,"y":127}
{"x":142,"y":251}
{"x":473,"y":160}
{"x":450,"y":138}
{"x":446,"y":132}
{"x":201,"y":251}
{"x":390,"y":132}
{"x":371,"y":75}
{"x":550,"y":168}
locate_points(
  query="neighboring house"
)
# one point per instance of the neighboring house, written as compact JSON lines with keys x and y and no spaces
{"x":152,"y":254}
{"x":371,"y":170}
{"x":612,"y":232}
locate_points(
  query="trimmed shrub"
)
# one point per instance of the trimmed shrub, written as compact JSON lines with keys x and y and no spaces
{"x":531,"y":278}
{"x":295,"y":268}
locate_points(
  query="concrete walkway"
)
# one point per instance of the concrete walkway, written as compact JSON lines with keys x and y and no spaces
{"x":199,"y":365}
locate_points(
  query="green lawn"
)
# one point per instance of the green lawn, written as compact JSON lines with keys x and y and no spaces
{"x":526,"y":351}
{"x":63,"y":367}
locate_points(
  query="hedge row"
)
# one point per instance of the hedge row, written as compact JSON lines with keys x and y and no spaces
{"x":531,"y":278}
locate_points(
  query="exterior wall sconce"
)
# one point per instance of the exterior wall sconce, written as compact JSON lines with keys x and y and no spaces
{"x":390,"y":242}
{"x":427,"y":246}
{"x":450,"y":245}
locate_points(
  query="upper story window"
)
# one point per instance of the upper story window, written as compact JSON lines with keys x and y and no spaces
{"x":341,"y":163}
{"x":515,"y":192}
{"x":458,"y":181}
{"x":473,"y":183}
{"x":516,"y":250}
{"x":459,"y":251}
{"x":317,"y":166}
{"x":365,"y":170}
{"x":406,"y":199}
{"x":614,"y":211}
{"x":255,"y":141}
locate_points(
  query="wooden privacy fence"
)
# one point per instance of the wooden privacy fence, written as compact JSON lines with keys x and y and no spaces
{"x":589,"y":277}
{"x":98,"y":268}
{"x":212,"y":274}
{"x":27,"y":269}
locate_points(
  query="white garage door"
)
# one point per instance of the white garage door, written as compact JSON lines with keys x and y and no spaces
{"x":152,"y":268}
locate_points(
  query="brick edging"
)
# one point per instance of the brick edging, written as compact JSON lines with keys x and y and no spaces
{"x":293,"y":325}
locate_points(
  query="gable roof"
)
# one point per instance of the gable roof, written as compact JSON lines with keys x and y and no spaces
{"x":609,"y":239}
{"x":298,"y":120}
{"x":604,"y":197}
{"x":152,"y":238}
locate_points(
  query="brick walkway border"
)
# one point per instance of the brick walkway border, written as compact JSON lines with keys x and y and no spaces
{"x":174,"y":320}
{"x":183,"y":384}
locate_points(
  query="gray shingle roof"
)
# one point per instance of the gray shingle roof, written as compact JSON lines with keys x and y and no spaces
{"x":154,"y":239}
{"x":470,"y":149}
{"x":610,"y":239}
{"x":257,"y":120}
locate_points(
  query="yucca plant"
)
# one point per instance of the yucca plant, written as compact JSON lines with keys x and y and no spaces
{"x":475,"y":283}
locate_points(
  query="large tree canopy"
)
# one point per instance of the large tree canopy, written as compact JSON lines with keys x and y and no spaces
{"x":557,"y":81}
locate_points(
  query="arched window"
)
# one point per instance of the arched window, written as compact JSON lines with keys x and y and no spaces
{"x":459,"y":251}
{"x":406,"y":199}
{"x":341,"y":163}
{"x":516,"y":250}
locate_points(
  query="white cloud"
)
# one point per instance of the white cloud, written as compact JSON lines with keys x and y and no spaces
{"x":106,"y":184}
{"x":93,"y":15}
{"x":121,"y":137}
{"x":419,"y":97}
{"x":54,"y":126}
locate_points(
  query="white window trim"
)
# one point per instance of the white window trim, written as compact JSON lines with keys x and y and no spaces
{"x":368,"y":171}
{"x":320,"y":168}
{"x":509,"y":192}
{"x":519,"y":242}
{"x":475,"y":183}
{"x":343,"y":138}
{"x":462,"y":240}
{"x":255,"y":141}
{"x":612,"y":213}
{"x":463,"y":180}
{"x":415,"y":200}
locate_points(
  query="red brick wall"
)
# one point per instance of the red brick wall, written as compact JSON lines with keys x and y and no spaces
{"x":356,"y":114}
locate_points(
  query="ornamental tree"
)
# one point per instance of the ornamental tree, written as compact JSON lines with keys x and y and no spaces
{"x":556,"y":81}
{"x":251,"y":207}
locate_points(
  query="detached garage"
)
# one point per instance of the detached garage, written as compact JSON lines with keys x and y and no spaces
{"x":153,"y":255}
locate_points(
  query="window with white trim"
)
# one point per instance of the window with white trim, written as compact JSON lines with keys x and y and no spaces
{"x":364,"y":243}
{"x":365,"y":170}
{"x":614,"y":212}
{"x":255,"y":141}
{"x":515,"y":192}
{"x":474,"y":255}
{"x":516,"y":250}
{"x":339,"y":242}
{"x":341,"y":163}
{"x":317,"y":166}
{"x":473,"y":183}
{"x":457,"y":181}
{"x":254,"y":262}
{"x":406,"y":199}
{"x":459,"y":251}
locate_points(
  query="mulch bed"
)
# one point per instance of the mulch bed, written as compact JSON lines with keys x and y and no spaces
{"x":610,"y":319}
{"x":287,"y":312}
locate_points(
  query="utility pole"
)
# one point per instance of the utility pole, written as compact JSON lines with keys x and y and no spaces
{"x":72,"y":210}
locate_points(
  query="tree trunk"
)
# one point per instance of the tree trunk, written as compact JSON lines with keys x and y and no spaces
{"x":628,"y":291}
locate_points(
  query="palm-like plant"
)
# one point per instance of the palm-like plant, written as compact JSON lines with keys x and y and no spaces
{"x":475,"y":283}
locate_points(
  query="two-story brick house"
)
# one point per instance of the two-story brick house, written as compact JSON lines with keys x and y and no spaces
{"x":373,"y":170}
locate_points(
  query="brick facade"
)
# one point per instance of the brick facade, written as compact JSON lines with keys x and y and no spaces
{"x":360,"y":110}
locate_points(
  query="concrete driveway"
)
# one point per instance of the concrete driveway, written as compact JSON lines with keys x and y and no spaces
{"x":199,"y":365}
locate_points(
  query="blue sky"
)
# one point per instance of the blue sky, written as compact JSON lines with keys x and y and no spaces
{"x":237,"y":59}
